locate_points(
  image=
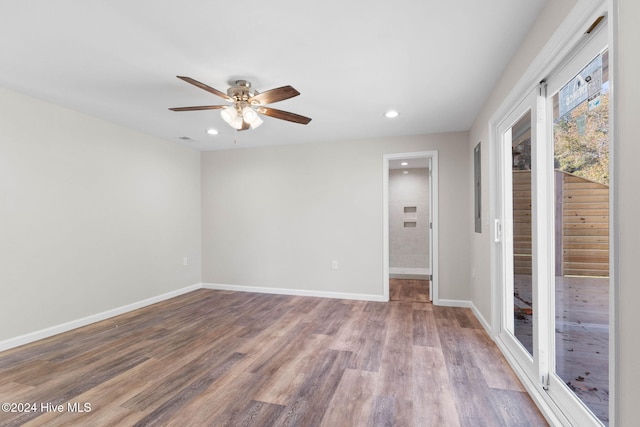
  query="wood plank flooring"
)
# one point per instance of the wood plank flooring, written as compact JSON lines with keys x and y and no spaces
{"x":221,"y":358}
{"x":409,"y":290}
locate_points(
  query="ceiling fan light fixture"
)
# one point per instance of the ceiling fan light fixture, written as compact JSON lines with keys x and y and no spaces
{"x":237,"y":122}
{"x":229,"y":114}
{"x":255,"y":122}
{"x":249,"y":114}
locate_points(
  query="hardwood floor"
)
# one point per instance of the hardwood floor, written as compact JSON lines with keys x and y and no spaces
{"x":409,"y":290}
{"x":220,"y":358}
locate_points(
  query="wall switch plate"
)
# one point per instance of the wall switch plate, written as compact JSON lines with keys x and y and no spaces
{"x":185,"y":261}
{"x":334,"y":264}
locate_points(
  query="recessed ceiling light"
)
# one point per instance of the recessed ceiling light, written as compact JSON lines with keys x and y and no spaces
{"x":405,"y":172}
{"x":212,"y":131}
{"x":391,"y":114}
{"x":404,"y":164}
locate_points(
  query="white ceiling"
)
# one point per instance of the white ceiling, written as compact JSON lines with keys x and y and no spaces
{"x":433,"y":61}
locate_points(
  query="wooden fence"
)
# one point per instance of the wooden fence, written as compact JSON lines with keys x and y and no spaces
{"x":582,"y":225}
{"x":521,"y":193}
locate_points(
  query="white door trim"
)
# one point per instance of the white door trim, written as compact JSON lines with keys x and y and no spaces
{"x":433,"y":252}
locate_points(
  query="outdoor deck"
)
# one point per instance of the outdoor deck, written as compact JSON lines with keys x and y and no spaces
{"x":582,"y":335}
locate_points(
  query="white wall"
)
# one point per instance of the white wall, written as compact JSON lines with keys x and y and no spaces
{"x":93,"y":216}
{"x":276,"y":217}
{"x":409,"y":246}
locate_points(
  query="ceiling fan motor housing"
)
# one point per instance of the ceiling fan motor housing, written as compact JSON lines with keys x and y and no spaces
{"x":242,"y":91}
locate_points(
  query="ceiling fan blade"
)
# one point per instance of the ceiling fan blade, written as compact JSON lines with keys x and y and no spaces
{"x":283,"y":115}
{"x":274,"y":95}
{"x":203,"y":107}
{"x":205,"y":87}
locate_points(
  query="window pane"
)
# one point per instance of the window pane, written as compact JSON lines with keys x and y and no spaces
{"x":522,"y":253}
{"x":581,"y":161}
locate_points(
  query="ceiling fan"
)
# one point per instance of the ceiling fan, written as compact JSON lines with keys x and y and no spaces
{"x":248,"y":103}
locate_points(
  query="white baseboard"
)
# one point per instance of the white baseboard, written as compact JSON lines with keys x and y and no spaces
{"x":486,"y":325}
{"x":298,"y":292}
{"x":454,"y":303}
{"x":410,"y":270}
{"x":64,"y":327}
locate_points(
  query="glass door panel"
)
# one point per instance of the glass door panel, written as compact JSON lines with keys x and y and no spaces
{"x":581,"y":163}
{"x":519,"y":293}
{"x":521,"y":168}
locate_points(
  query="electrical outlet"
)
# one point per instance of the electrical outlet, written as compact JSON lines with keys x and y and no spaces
{"x":185,"y":261}
{"x":334,"y":264}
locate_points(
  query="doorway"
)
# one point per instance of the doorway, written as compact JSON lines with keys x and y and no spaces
{"x":410,"y":227}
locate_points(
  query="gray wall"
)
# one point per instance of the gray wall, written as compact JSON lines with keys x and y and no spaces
{"x":409,"y":246}
{"x":275,"y":217}
{"x":93,"y":216}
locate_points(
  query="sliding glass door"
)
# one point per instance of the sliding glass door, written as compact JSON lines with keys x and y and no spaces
{"x":579,"y":126}
{"x":553,"y":235}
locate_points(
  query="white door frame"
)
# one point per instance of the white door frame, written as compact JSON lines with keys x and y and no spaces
{"x":433,"y":250}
